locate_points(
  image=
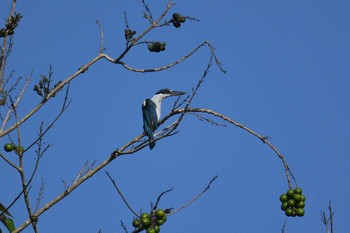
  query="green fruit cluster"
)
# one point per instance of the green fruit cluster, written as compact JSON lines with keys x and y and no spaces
{"x":150,"y":222}
{"x":8,"y":147}
{"x":293,"y":202}
{"x":177,"y":20}
{"x":156,"y":47}
{"x":10,"y":25}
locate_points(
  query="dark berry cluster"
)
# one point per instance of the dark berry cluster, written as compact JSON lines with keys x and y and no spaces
{"x":177,"y":20}
{"x":156,"y":47}
{"x":129,"y":34}
{"x":150,"y":222}
{"x":10,"y":25}
{"x":293,"y":202}
{"x":43,"y":89}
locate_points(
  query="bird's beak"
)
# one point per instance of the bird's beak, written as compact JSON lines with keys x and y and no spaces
{"x":177,"y":93}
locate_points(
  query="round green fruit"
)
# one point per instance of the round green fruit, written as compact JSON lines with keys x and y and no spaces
{"x":151,"y":230}
{"x":284,"y":206}
{"x":297,"y":197}
{"x":300,"y":212}
{"x":157,"y":228}
{"x":164,"y":218}
{"x":291,"y":203}
{"x":283,"y":198}
{"x":19,"y":149}
{"x":136,"y":223}
{"x":160,"y":214}
{"x":289,"y":212}
{"x":302,"y":198}
{"x":145,"y":222}
{"x":8,"y":147}
{"x":290,"y":193}
{"x":160,"y":222}
{"x":300,"y":204}
{"x":144,"y":215}
{"x":298,"y":190}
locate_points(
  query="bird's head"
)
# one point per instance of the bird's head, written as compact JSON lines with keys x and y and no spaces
{"x":165,"y":93}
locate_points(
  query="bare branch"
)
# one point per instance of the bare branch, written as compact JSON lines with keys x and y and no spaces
{"x":328,"y":221}
{"x":121,"y":195}
{"x":21,"y":171}
{"x":196,"y":197}
{"x":147,"y":14}
{"x":101,"y":37}
{"x":284,"y":226}
{"x":124,"y":227}
{"x":40,"y":195}
{"x":126,"y":66}
{"x":160,"y":196}
{"x":227,"y":119}
{"x":201,"y":118}
{"x":9,"y":162}
{"x":331,"y":213}
{"x":83,"y":170}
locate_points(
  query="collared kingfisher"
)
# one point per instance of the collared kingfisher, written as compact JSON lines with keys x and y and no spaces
{"x":151,"y":109}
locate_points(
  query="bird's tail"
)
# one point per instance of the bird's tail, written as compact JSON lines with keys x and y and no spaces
{"x":149,"y":133}
{"x":152,"y":144}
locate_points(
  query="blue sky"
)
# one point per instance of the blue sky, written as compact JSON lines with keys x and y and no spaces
{"x":287,"y":78}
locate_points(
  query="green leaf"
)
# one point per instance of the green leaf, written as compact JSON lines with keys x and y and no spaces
{"x":9,"y":224}
{"x":2,"y":209}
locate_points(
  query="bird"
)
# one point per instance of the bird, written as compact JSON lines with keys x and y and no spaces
{"x":151,"y":111}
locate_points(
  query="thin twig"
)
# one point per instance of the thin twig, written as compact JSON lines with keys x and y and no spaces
{"x":284,"y":226}
{"x":83,"y":170}
{"x":160,"y":196}
{"x":210,"y":121}
{"x":101,"y":37}
{"x":124,"y":227}
{"x":15,"y":104}
{"x":331,"y":213}
{"x":9,"y":162}
{"x":196,"y":197}
{"x":40,"y":195}
{"x":147,"y":15}
{"x":328,"y":221}
{"x":121,"y":195}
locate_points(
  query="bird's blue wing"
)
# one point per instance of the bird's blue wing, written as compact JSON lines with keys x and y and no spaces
{"x":150,"y":121}
{"x":149,"y":115}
